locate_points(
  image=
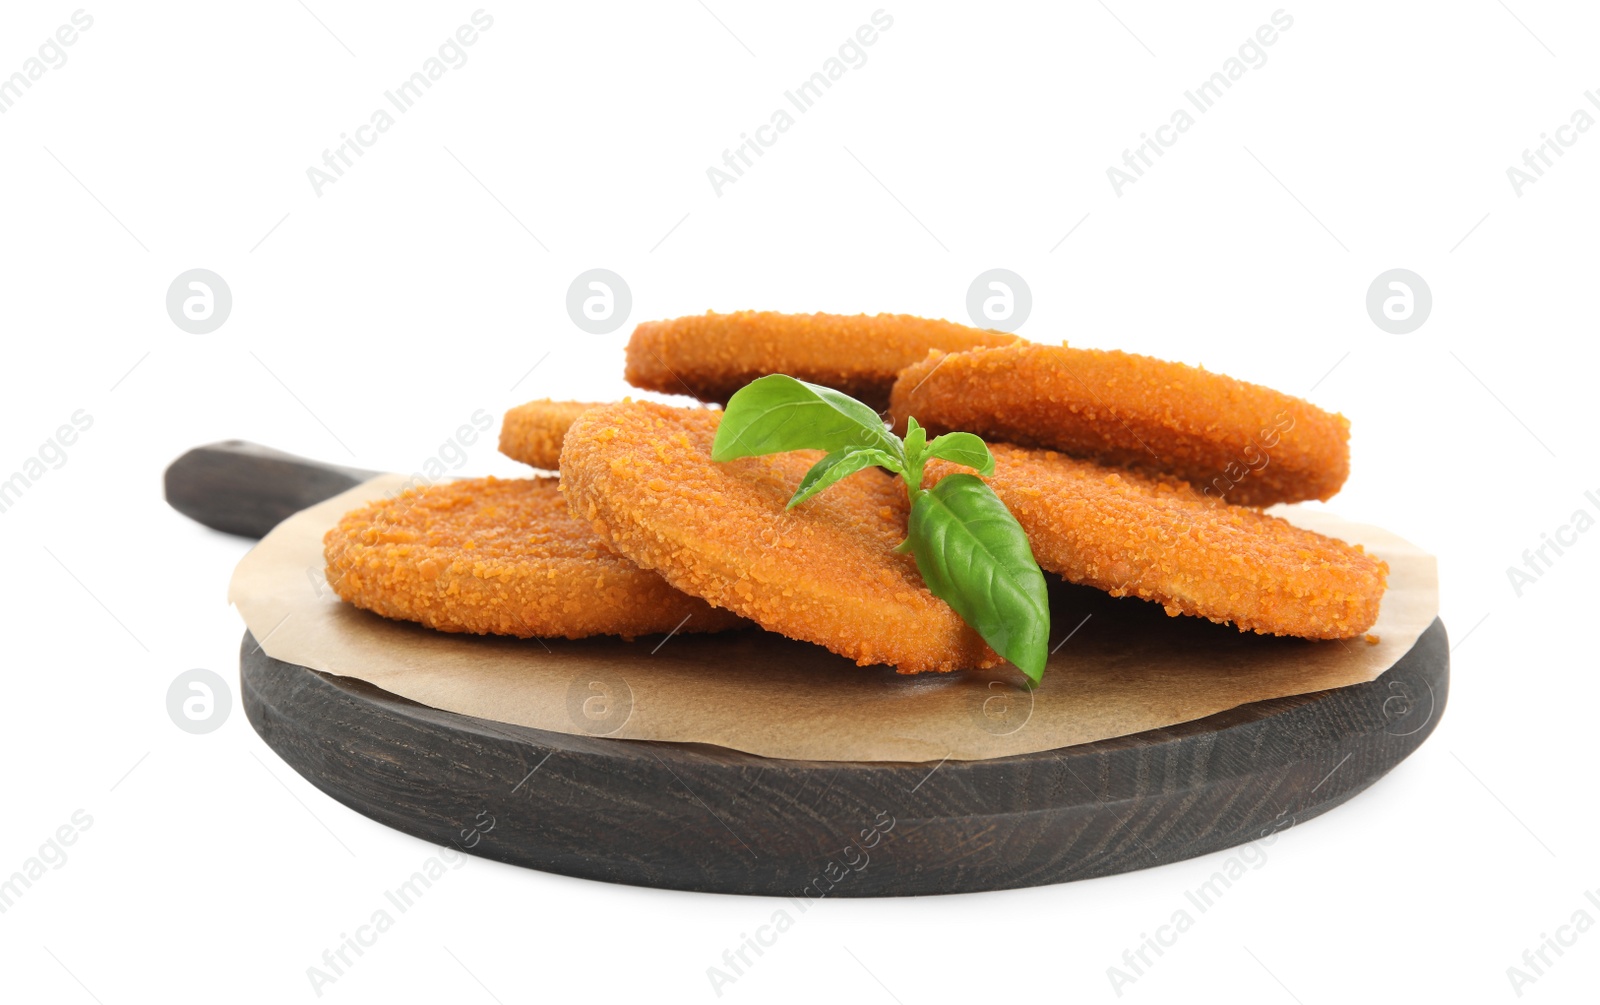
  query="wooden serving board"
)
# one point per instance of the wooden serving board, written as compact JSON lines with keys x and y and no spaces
{"x":696,"y":817}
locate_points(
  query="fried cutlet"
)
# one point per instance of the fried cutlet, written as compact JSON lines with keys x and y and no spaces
{"x":496,"y":556}
{"x":826,"y":572}
{"x":1158,"y":538}
{"x":1232,"y":440}
{"x":710,"y":356}
{"x":532,"y":433}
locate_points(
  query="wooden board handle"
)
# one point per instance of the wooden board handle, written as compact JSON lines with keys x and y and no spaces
{"x":246,"y":489}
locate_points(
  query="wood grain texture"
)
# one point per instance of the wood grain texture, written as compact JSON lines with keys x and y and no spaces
{"x":704,"y":818}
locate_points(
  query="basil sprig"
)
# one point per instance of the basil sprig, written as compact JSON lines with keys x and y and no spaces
{"x":970,"y":550}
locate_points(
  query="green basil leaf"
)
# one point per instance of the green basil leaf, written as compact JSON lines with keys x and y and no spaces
{"x":961,"y":448}
{"x":777,"y":413}
{"x":837,"y":465}
{"x":973,"y":554}
{"x":915,"y":442}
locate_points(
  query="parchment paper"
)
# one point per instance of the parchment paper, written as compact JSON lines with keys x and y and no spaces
{"x":1126,"y":667}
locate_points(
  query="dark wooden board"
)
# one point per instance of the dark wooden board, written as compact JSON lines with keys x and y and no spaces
{"x":245,"y":489}
{"x":705,"y":818}
{"x":694,"y":817}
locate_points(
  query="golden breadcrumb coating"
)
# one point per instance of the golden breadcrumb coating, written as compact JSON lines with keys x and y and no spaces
{"x":1159,"y":539}
{"x":824,"y":572}
{"x":500,"y":557}
{"x":1232,"y":440}
{"x":710,"y":356}
{"x":532,"y":433}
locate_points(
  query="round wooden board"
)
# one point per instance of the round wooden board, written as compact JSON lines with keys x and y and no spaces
{"x":694,"y":817}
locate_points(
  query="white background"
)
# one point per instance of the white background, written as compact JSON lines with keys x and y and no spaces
{"x":375,"y":318}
